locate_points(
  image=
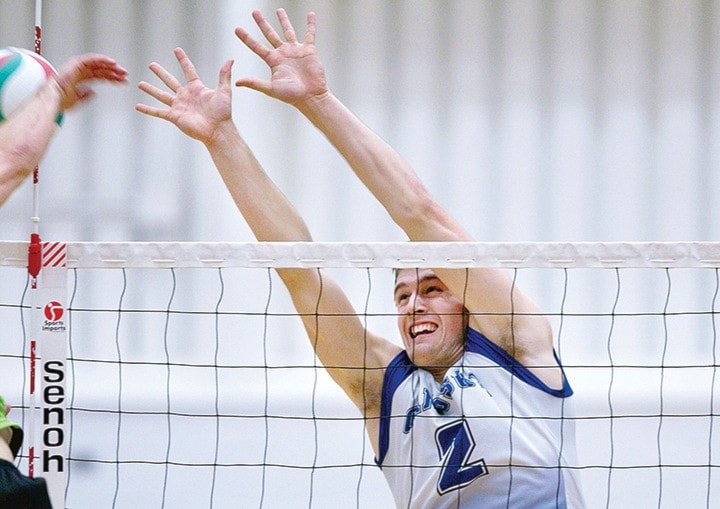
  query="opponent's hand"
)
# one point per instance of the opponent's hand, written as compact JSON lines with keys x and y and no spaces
{"x":296,"y":72}
{"x":195,"y":109}
{"x":74,"y":75}
{"x":6,"y":433}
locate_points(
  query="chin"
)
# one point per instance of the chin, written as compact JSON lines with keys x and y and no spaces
{"x":419,"y":359}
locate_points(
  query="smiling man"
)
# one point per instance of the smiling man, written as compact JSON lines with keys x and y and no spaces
{"x":478,"y":425}
{"x":471,"y":412}
{"x":431,"y":320}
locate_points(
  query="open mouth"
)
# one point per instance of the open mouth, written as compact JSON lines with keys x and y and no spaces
{"x":422,"y":328}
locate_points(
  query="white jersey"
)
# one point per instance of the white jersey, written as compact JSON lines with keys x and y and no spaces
{"x":491,"y":435}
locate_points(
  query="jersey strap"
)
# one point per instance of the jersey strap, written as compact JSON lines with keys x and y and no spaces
{"x":398,"y":370}
{"x":477,"y":343}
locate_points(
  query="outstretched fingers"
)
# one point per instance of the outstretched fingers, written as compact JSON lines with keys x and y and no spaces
{"x":260,"y":50}
{"x":74,"y":74}
{"x":266,"y":28}
{"x":186,"y":65}
{"x":272,"y":36}
{"x":287,"y":27}
{"x":165,"y":76}
{"x":91,"y":66}
{"x":253,"y":44}
{"x":154,"y":92}
{"x":153,"y":111}
{"x":150,"y":110}
{"x":105,"y":68}
{"x":310,"y":32}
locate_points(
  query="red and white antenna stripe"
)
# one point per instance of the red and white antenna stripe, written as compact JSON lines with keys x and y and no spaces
{"x":54,"y":254}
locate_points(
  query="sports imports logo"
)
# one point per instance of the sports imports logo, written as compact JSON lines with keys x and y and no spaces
{"x":54,"y":312}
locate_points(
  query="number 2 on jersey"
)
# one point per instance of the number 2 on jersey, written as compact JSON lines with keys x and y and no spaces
{"x":455,"y":444}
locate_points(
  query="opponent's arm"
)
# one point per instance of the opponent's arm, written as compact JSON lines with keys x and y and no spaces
{"x":24,"y":137}
{"x":499,"y":310}
{"x":334,"y":329}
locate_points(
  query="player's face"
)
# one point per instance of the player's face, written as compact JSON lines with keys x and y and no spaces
{"x":431,"y":319}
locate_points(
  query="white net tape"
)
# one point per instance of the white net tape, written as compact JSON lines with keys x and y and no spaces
{"x":378,"y":254}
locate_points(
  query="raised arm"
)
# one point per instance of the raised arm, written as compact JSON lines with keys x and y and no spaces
{"x":498,"y":309}
{"x":24,"y":137}
{"x":298,"y":78}
{"x":334,"y":329}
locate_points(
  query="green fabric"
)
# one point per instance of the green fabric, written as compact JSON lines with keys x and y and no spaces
{"x":17,"y":435}
{"x":12,"y":63}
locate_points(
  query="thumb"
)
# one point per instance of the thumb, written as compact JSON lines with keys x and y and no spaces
{"x":225,"y":74}
{"x":255,"y":84}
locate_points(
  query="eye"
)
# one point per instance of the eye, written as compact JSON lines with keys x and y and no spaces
{"x":401,"y":298}
{"x":433,"y":289}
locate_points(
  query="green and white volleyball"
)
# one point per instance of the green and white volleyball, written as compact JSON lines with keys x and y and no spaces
{"x":22,"y":73}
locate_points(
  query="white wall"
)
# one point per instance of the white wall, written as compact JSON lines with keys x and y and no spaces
{"x":530,"y":120}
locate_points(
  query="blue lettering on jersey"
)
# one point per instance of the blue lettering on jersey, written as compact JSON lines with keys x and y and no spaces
{"x":441,"y":402}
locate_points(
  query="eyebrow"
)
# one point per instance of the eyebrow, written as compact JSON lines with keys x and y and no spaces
{"x":427,"y":277}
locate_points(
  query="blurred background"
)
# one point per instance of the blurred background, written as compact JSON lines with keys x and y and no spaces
{"x":530,"y":121}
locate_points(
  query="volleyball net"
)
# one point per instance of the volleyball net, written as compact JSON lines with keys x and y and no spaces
{"x":179,"y":374}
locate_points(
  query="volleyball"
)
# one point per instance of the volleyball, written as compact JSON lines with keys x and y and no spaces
{"x":22,"y":73}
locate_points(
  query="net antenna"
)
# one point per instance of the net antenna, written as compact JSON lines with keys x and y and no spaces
{"x":34,"y":262}
{"x":47,"y":272}
{"x":36,"y":172}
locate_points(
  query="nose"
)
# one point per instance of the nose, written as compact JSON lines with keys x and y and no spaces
{"x":417,"y":304}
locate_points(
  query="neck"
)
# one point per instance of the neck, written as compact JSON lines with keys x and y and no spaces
{"x":439,"y":371}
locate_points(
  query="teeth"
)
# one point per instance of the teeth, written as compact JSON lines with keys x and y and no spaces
{"x":423,"y":327}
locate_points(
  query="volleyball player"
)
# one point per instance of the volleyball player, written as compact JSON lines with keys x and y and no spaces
{"x":24,"y":138}
{"x":468,"y":413}
{"x":25,"y":135}
{"x":17,"y":491}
